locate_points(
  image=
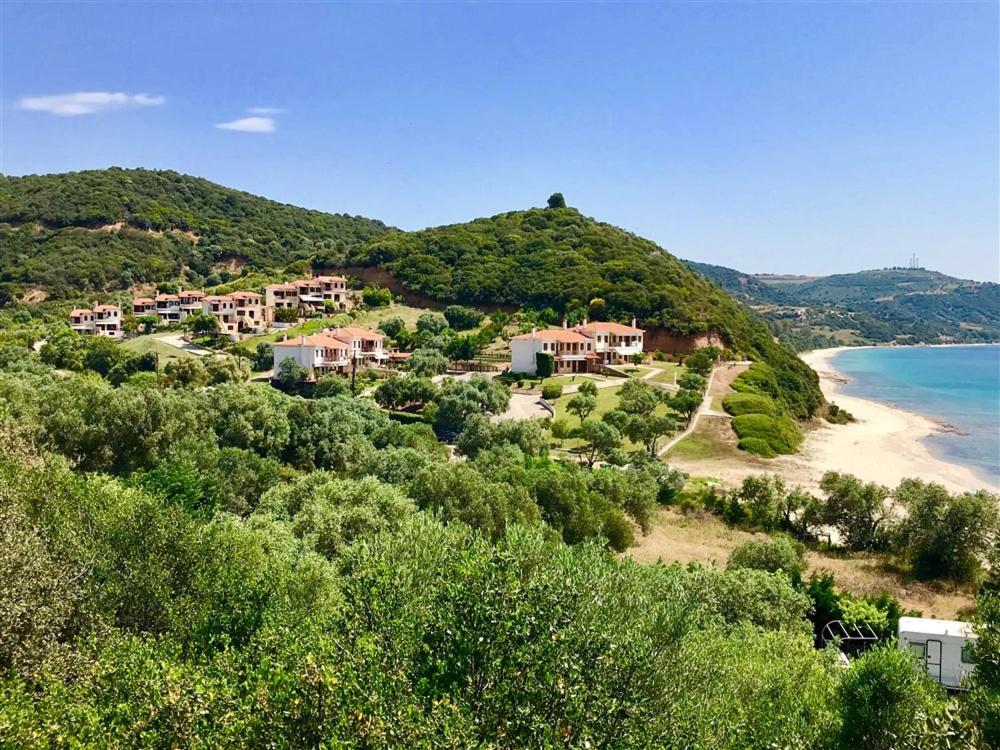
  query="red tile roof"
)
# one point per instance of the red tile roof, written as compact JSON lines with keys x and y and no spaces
{"x":317,"y":339}
{"x":617,"y":328}
{"x":562,"y":335}
{"x":356,"y":332}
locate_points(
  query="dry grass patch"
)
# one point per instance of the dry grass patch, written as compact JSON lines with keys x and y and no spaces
{"x":703,"y":538}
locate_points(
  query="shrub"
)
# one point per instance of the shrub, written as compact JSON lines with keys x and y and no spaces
{"x":463,"y":318}
{"x":551,"y":391}
{"x":376,"y":296}
{"x":837,"y":415}
{"x":738,"y":404}
{"x":545,"y":364}
{"x":560,"y":428}
{"x":774,"y":554}
{"x":618,"y":531}
{"x":882,"y":697}
{"x":757,"y":446}
{"x":780,"y":433}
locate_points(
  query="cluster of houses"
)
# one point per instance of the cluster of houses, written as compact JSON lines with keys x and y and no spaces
{"x":236,"y":313}
{"x":587,"y":347}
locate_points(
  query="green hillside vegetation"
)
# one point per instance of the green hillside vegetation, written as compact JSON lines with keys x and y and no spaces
{"x":54,"y":235}
{"x":235,"y":567}
{"x":557,"y":258}
{"x":54,"y":230}
{"x":759,"y":419}
{"x":900,"y":305}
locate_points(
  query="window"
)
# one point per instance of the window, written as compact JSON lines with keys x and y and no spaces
{"x":967,"y":655}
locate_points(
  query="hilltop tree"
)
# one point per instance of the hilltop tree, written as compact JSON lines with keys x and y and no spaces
{"x":556,"y":200}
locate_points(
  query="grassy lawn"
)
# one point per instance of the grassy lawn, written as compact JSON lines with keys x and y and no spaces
{"x":152,"y":343}
{"x":607,"y":399}
{"x":699,"y":446}
{"x":667,"y":372}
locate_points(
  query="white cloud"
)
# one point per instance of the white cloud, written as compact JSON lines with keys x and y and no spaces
{"x":265,"y":110}
{"x":87,"y":102}
{"x":249,"y":125}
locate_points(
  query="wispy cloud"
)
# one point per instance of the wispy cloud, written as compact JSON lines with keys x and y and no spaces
{"x":249,"y":125}
{"x":265,"y":110}
{"x":87,"y":102}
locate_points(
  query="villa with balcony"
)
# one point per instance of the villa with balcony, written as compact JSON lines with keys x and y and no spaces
{"x":334,"y":289}
{"x":615,"y":343}
{"x":582,"y":348}
{"x":142,"y":306}
{"x":251,"y":315}
{"x":281,"y":295}
{"x":337,"y":350}
{"x":571,"y":350}
{"x":102,"y":320}
{"x":190,"y":302}
{"x":168,"y":308}
{"x":223,"y":309}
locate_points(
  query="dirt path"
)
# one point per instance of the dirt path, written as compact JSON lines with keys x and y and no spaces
{"x":718,"y":385}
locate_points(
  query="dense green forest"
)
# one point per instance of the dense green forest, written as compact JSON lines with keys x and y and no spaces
{"x":51,"y":230}
{"x":235,"y":567}
{"x":871,"y":307}
{"x":557,"y":258}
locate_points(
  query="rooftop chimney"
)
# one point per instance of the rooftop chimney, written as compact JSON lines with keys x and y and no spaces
{"x":633,"y":322}
{"x":533,"y":331}
{"x":584,"y":321}
{"x":565,"y":323}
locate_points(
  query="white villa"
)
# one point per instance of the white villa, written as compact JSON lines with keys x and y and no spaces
{"x":335,"y":350}
{"x":102,"y":320}
{"x":581,"y":348}
{"x":311,"y":294}
{"x":614,"y":342}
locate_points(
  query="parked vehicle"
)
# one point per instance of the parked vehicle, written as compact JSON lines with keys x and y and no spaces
{"x":942,"y":646}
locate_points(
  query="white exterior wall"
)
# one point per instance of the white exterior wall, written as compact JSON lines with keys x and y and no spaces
{"x":307,"y":355}
{"x":522,"y":355}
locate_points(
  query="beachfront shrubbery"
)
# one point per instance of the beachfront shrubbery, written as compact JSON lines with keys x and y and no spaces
{"x":759,"y":420}
{"x":780,"y":433}
{"x":738,"y":404}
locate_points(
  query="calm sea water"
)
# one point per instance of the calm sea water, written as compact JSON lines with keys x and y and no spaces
{"x":957,"y":385}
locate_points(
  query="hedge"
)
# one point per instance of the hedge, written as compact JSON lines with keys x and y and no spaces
{"x":738,"y":404}
{"x":780,"y":433}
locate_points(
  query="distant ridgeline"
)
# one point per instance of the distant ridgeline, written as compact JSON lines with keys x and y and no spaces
{"x":107,"y":230}
{"x":898,"y":305}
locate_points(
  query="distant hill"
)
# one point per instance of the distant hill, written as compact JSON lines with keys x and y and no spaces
{"x":878,"y":306}
{"x":559,"y":258}
{"x":108,"y":229}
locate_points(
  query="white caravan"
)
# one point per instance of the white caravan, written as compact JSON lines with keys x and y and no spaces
{"x":942,"y":646}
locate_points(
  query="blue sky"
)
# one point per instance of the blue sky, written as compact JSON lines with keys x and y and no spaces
{"x":783,"y":137}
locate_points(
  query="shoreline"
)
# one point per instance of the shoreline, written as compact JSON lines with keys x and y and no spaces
{"x":886,"y":444}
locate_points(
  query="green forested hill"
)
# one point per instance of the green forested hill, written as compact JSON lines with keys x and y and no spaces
{"x":107,"y":229}
{"x":558,"y":258}
{"x":879,"y":306}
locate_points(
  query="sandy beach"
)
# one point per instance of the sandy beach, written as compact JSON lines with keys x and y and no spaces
{"x":886,"y":443}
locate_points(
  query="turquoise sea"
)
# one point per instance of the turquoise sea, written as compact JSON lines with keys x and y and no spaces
{"x":956,"y":385}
